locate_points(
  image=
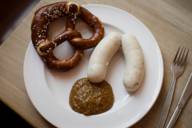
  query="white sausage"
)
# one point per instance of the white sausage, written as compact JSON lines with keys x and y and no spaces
{"x":134,"y":63}
{"x":102,"y":55}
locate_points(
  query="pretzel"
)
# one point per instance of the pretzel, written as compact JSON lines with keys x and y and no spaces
{"x":44,"y":47}
{"x":97,"y":28}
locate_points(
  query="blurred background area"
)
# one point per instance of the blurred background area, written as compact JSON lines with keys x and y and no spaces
{"x":11,"y":12}
{"x":15,"y":121}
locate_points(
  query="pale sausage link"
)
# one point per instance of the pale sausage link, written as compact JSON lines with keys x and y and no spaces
{"x":101,"y":56}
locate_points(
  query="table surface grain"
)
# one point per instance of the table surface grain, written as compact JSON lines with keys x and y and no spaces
{"x":169,"y":20}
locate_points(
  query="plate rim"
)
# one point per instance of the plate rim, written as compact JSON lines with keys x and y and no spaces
{"x":161,"y":65}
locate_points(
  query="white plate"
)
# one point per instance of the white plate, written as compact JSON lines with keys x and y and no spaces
{"x":49,"y":90}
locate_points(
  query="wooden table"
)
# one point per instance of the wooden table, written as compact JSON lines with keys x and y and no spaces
{"x":169,"y":20}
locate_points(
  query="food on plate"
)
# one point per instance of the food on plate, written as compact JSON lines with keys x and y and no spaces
{"x":91,"y":98}
{"x":45,"y":50}
{"x":97,"y":27}
{"x":72,"y":11}
{"x":102,"y":55}
{"x":134,"y":63}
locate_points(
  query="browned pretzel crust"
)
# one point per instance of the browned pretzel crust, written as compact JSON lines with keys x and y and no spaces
{"x":97,"y":27}
{"x":44,"y":47}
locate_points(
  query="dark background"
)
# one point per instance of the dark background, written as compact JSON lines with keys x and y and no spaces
{"x":10,"y":13}
{"x":9,"y":119}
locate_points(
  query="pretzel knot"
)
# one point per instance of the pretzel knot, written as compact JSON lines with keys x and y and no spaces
{"x":72,"y":11}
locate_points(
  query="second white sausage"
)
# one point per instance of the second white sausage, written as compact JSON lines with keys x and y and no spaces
{"x":134,"y":63}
